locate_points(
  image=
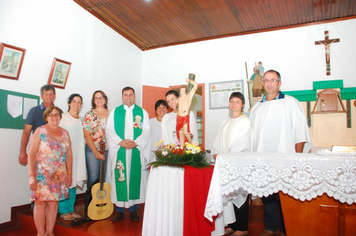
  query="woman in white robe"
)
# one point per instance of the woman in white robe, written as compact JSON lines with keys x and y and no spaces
{"x":72,"y":122}
{"x":235,"y":135}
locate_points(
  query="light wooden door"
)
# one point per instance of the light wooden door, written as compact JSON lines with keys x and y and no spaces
{"x":150,"y":95}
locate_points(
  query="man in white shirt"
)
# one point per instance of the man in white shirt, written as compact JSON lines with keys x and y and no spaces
{"x":161,"y":108}
{"x":169,"y":121}
{"x":279,"y":125}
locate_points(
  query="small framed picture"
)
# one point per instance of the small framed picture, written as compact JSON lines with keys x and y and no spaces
{"x":11,"y":59}
{"x":220,"y":92}
{"x":58,"y":76}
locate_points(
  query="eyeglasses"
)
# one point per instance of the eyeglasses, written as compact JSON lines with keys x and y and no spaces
{"x":270,"y":80}
{"x":54,"y":115}
{"x":99,"y":98}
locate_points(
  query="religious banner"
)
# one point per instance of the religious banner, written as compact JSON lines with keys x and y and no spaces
{"x":220,"y":92}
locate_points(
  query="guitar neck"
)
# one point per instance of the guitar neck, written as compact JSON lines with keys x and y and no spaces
{"x":102,"y":164}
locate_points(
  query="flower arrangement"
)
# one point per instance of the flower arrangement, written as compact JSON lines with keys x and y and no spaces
{"x":179,"y":155}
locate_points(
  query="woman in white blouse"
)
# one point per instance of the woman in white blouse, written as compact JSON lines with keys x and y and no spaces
{"x":235,"y":136}
{"x":72,"y":122}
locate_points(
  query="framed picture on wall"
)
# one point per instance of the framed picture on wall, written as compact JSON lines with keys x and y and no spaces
{"x":220,"y":92}
{"x":58,"y":76}
{"x":11,"y":59}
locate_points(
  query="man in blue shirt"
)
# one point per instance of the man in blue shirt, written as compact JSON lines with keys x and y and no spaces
{"x":35,"y":119}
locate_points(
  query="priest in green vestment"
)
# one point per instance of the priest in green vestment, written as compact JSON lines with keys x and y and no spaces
{"x":128,"y":134}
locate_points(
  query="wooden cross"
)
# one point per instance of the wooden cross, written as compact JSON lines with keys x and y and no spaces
{"x":327,"y":43}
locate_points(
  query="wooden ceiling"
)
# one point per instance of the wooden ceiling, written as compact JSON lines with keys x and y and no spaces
{"x":151,"y":24}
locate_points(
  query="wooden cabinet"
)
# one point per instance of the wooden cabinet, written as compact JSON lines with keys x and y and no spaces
{"x":321,"y":216}
{"x":328,"y":100}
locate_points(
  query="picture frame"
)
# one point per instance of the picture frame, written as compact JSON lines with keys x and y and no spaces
{"x":58,"y":76}
{"x":219,"y":93}
{"x":11,"y":60}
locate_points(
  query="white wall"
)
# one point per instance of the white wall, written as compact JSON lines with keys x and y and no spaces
{"x":292,"y":52}
{"x":100,"y":57}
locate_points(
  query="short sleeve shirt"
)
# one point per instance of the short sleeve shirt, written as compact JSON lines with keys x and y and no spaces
{"x":96,"y":126}
{"x":35,"y":117}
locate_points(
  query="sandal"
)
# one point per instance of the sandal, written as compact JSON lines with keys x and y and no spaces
{"x":229,"y":231}
{"x":76,"y":216}
{"x":67,"y":216}
{"x":239,"y":233}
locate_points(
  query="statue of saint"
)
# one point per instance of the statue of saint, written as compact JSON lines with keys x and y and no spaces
{"x":183,"y":108}
{"x":255,"y":84}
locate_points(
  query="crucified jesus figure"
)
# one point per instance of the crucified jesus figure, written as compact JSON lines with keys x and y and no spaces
{"x":327,"y":43}
{"x":183,"y":108}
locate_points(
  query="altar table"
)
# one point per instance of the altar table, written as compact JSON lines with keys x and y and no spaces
{"x":301,"y":176}
{"x":175,"y":202}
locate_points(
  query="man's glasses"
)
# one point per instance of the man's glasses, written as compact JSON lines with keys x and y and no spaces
{"x":270,"y":80}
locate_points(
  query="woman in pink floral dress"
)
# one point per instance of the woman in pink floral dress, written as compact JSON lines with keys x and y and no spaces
{"x":50,"y":170}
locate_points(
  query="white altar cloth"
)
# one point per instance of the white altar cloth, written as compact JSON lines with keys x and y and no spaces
{"x":164,"y":203}
{"x":303,"y":176}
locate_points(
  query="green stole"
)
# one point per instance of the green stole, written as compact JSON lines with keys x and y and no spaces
{"x":135,"y":171}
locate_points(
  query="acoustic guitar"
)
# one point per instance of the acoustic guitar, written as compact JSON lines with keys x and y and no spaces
{"x":100,"y":206}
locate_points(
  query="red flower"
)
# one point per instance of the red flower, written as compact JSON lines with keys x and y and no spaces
{"x":180,"y":152}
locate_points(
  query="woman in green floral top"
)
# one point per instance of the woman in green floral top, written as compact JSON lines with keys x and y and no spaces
{"x":94,"y":133}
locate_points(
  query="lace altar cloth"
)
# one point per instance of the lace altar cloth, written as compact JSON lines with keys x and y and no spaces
{"x":303,"y":176}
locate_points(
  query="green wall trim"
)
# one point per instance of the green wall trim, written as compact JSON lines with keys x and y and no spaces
{"x":302,"y":95}
{"x":328,"y":84}
{"x":348,"y":93}
{"x":311,"y":95}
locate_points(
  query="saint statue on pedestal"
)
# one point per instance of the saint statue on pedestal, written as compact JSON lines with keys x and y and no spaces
{"x":255,"y":84}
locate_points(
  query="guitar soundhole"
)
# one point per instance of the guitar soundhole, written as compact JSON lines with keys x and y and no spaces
{"x":101,"y":194}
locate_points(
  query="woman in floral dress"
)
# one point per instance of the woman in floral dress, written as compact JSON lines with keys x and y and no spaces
{"x":94,"y":133}
{"x":50,"y":170}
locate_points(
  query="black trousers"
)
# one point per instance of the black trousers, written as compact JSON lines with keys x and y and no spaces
{"x":273,"y":218}
{"x":241,"y":215}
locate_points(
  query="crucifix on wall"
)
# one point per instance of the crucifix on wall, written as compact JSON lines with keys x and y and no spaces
{"x":327,"y":43}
